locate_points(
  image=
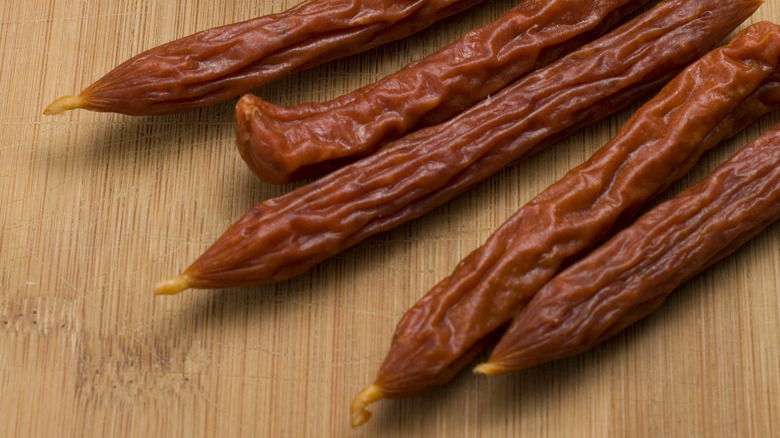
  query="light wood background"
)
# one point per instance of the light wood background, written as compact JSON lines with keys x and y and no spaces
{"x":96,"y":208}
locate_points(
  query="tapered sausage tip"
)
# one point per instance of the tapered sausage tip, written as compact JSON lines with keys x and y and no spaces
{"x":488,"y":369}
{"x":173,"y":286}
{"x":63,"y":104}
{"x":357,"y":411}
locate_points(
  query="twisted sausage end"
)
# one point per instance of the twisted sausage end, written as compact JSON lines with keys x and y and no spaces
{"x":64,"y":103}
{"x":489,"y":369}
{"x":173,"y":286}
{"x":357,"y":410}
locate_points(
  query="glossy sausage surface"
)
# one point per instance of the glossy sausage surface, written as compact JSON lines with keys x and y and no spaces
{"x":227,"y":61}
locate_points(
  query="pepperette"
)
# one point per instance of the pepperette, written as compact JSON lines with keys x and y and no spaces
{"x":227,"y":61}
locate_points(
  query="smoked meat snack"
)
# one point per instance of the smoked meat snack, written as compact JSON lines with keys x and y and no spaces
{"x":287,"y":235}
{"x":711,"y":100}
{"x":223,"y":62}
{"x":283,"y":144}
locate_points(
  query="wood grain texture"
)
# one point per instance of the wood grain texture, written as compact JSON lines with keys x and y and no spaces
{"x":96,"y":208}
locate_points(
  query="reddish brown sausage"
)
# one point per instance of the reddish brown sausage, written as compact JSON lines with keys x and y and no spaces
{"x":283,"y":144}
{"x":224,"y":62}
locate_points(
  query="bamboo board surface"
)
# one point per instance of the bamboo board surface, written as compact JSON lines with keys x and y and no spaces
{"x":96,"y":208}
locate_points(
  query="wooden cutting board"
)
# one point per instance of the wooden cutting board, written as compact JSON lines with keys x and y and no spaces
{"x":96,"y":208}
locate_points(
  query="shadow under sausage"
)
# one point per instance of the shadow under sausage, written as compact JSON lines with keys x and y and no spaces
{"x":494,"y":402}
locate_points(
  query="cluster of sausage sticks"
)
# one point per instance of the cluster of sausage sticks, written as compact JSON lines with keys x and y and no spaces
{"x":441,"y":138}
{"x":516,"y":275}
{"x":406,"y":178}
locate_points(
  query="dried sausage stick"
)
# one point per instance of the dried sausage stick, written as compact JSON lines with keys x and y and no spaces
{"x":629,"y":277}
{"x":711,"y":100}
{"x":284,"y":144}
{"x":285,"y":236}
{"x":216,"y":64}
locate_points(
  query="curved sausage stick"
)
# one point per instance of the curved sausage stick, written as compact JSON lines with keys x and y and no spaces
{"x":711,"y":100}
{"x":284,"y":144}
{"x":220,"y":63}
{"x":628,"y":277}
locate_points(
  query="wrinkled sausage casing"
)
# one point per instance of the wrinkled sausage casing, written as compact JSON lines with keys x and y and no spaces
{"x":216,"y":64}
{"x":630,"y":276}
{"x":712,"y":99}
{"x":287,"y":235}
{"x":283,"y":144}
